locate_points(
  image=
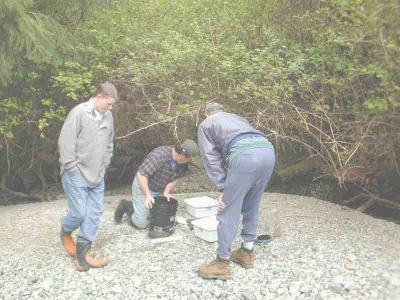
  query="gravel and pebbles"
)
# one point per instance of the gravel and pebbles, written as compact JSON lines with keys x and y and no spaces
{"x":326,"y":252}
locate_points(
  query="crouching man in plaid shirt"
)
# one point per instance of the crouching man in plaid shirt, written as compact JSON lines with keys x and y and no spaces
{"x":157,"y":176}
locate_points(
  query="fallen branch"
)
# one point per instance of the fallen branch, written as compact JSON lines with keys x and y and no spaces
{"x":372,"y":199}
{"x":353,"y":199}
{"x":366,"y":205}
{"x":385,"y":201}
{"x":4,"y":188}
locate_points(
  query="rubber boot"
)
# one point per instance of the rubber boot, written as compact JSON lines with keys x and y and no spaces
{"x":68,"y":242}
{"x":84,"y":260}
{"x":124,"y":207}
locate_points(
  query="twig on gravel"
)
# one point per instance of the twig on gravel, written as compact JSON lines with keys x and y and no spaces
{"x":166,"y":239}
{"x":303,"y":216}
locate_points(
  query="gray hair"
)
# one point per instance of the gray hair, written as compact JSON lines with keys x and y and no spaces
{"x":107,"y":89}
{"x":213,"y":107}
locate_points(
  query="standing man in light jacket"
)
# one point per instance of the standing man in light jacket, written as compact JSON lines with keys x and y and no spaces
{"x":228,"y":140}
{"x":86,"y":146}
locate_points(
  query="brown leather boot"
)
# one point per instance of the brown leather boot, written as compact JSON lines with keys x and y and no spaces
{"x":218,"y":269}
{"x":84,"y":261}
{"x":243,"y":257}
{"x":68,"y":242}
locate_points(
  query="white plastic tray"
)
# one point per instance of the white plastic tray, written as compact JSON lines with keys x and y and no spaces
{"x":200,"y":207}
{"x":206,"y":228}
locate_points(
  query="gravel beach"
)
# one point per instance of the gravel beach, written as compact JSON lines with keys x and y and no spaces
{"x":326,"y":252}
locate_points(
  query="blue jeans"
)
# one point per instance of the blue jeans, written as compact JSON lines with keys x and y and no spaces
{"x":141,"y":214}
{"x":85,"y":205}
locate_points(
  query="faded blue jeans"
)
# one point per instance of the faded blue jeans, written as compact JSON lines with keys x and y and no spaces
{"x":141,"y":215}
{"x":85,"y":205}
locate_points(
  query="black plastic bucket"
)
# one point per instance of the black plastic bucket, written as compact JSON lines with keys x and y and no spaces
{"x":162,"y":217}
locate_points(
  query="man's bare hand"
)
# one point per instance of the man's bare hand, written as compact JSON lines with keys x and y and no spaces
{"x":221,"y":205}
{"x":167,"y":195}
{"x":148,"y":201}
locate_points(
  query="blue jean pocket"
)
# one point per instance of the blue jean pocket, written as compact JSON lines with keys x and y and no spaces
{"x":75,"y":178}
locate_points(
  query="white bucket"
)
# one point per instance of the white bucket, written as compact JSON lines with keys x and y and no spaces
{"x":206,"y":228}
{"x":200,"y":207}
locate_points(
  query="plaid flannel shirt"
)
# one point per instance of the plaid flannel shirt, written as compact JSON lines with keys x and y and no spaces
{"x":160,"y":169}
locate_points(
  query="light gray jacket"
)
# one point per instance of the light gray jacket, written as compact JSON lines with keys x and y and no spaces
{"x":86,"y":143}
{"x":214,"y":136}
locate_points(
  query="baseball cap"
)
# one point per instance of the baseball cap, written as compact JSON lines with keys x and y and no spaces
{"x":190,"y":148}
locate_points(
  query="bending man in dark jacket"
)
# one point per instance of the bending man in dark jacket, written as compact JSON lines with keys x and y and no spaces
{"x":250,"y":158}
{"x":157,"y":176}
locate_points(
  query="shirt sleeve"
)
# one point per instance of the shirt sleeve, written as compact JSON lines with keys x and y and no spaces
{"x":110,"y":146}
{"x":68,"y":138}
{"x":150,"y":165}
{"x":212,"y":158}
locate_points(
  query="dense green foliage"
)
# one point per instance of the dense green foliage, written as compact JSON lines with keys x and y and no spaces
{"x":320,"y":77}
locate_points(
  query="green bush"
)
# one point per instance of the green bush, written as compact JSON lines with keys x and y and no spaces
{"x":320,"y":76}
